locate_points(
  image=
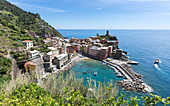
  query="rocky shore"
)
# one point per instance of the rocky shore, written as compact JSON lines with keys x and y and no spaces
{"x":132,"y":85}
{"x":133,"y":81}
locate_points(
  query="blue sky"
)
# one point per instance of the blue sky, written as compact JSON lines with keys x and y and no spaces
{"x":101,"y":14}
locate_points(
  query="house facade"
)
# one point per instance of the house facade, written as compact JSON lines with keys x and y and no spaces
{"x":61,"y":60}
{"x":33,"y":54}
{"x":27,"y":43}
{"x":29,"y":66}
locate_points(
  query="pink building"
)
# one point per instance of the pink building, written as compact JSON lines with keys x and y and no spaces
{"x":93,"y":51}
{"x":103,"y":53}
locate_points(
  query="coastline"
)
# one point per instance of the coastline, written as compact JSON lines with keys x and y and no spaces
{"x":70,"y":64}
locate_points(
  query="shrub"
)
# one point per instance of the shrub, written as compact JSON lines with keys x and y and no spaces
{"x":11,"y":52}
{"x":28,"y":95}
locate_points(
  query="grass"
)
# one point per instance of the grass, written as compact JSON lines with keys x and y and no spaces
{"x":56,"y":84}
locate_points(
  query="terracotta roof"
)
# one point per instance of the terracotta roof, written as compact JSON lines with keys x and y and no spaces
{"x":26,"y":41}
{"x":28,"y":63}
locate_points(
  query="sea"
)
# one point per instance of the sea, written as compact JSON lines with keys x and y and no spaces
{"x":143,"y":46}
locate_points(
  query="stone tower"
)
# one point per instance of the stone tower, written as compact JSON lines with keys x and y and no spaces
{"x":107,"y":33}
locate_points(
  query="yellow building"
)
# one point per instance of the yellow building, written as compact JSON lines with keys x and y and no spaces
{"x":84,"y":49}
{"x":29,"y":66}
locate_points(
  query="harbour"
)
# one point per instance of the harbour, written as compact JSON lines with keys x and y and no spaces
{"x":138,"y":50}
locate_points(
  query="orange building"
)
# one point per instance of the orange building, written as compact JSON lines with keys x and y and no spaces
{"x":29,"y":66}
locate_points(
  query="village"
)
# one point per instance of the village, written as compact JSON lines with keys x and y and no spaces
{"x":62,"y":53}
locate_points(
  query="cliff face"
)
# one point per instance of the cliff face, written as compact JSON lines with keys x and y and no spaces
{"x":13,"y":18}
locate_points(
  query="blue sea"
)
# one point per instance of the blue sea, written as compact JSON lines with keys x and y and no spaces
{"x":143,"y":46}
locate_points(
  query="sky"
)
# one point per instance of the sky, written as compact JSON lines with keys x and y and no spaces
{"x":101,"y":14}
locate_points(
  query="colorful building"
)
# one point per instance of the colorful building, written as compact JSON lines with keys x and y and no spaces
{"x":33,"y":54}
{"x":27,"y":43}
{"x":84,"y":49}
{"x":61,"y":60}
{"x":93,"y":51}
{"x":29,"y":66}
{"x":103,"y":53}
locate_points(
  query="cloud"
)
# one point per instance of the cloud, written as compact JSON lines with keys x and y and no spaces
{"x":37,"y":8}
{"x":98,"y":8}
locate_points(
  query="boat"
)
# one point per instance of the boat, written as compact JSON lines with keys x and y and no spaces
{"x":95,"y":73}
{"x":157,"y":61}
{"x":119,"y":75}
{"x":103,"y":63}
{"x":116,"y":71}
{"x":84,"y":72}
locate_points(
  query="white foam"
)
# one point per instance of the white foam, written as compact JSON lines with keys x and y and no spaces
{"x":157,"y":67}
{"x":147,"y":88}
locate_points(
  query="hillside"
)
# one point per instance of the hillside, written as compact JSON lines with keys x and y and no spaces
{"x":17,"y":24}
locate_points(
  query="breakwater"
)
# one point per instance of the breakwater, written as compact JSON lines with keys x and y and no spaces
{"x":132,"y":79}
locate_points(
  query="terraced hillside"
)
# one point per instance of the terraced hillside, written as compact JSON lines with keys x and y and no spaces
{"x":17,"y":24}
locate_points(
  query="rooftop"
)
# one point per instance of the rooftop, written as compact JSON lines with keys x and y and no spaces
{"x":95,"y":48}
{"x":34,"y":51}
{"x":61,"y":56}
{"x":104,"y":48}
{"x":28,"y":63}
{"x":112,"y":41}
{"x":52,"y":48}
{"x":26,"y":41}
{"x":50,"y":53}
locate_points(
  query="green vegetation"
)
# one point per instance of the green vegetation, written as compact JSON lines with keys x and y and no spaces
{"x":20,"y":20}
{"x":67,"y":90}
{"x":28,"y":95}
{"x":5,"y":69}
{"x":15,"y":25}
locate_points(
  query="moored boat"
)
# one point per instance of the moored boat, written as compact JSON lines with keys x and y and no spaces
{"x":103,"y":63}
{"x":116,"y":71}
{"x":119,"y":75}
{"x":95,"y":73}
{"x":84,"y":72}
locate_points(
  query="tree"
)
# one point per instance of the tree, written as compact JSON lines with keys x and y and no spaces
{"x":97,"y":34}
{"x":1,"y":54}
{"x":6,"y":52}
{"x":11,"y":52}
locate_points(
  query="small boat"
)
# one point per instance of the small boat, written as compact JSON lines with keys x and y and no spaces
{"x":103,"y":63}
{"x":84,"y":72}
{"x":116,"y":71}
{"x":119,"y":75}
{"x":87,"y":78}
{"x":95,"y":73}
{"x":157,"y":61}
